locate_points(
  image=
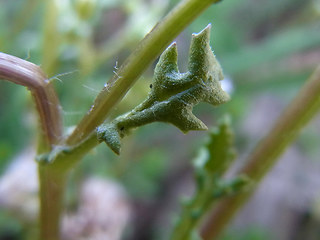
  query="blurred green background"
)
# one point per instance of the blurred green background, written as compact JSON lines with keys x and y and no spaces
{"x":267,"y":49}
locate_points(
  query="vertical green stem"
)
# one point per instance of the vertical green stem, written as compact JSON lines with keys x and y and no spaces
{"x":52,"y":184}
{"x":23,"y":17}
{"x":51,"y":38}
{"x":301,"y":110}
{"x":51,"y":181}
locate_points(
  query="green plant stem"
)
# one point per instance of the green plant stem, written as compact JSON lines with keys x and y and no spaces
{"x":52,"y":182}
{"x":26,"y":12}
{"x":51,"y":38}
{"x":151,"y":47}
{"x":52,"y":186}
{"x":301,"y":110}
{"x":65,"y":159}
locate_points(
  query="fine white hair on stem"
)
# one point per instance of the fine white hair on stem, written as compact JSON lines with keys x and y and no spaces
{"x":116,"y":66}
{"x":28,"y":55}
{"x":117,"y":74}
{"x":56,"y":77}
{"x":90,"y":88}
{"x":72,"y":113}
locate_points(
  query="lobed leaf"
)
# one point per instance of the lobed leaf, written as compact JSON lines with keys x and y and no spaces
{"x":173,"y":94}
{"x":213,"y":161}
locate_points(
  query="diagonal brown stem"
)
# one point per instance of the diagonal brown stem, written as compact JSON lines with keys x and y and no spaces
{"x":301,"y":110}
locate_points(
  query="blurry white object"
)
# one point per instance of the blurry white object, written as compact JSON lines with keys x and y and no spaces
{"x":103,"y":212}
{"x":103,"y":206}
{"x":19,"y":187}
{"x":227,"y":85}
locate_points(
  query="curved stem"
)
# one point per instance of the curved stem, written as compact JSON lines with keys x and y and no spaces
{"x":301,"y":110}
{"x":151,"y":47}
{"x":52,"y":182}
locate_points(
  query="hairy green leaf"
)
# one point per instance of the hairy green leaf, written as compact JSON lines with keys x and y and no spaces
{"x":218,"y":153}
{"x":173,"y":94}
{"x":210,"y":166}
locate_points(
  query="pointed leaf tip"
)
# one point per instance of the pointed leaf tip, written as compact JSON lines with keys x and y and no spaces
{"x":173,"y":94}
{"x":174,"y":44}
{"x":109,"y":134}
{"x":201,"y":57}
{"x":204,"y":34}
{"x":170,"y":55}
{"x":168,"y":61}
{"x":186,"y":121}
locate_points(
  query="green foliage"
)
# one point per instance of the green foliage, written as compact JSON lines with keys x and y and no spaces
{"x":173,"y":94}
{"x":281,"y":44}
{"x":10,"y":228}
{"x":218,"y":152}
{"x":214,"y":159}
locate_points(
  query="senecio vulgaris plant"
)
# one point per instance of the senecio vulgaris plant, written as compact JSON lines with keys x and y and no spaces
{"x":171,"y":99}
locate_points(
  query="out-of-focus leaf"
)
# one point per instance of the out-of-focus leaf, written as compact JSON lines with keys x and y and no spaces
{"x":282,"y":44}
{"x":212,"y":162}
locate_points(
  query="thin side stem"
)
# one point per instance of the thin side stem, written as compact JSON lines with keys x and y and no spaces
{"x":66,"y":158}
{"x":151,"y":47}
{"x":301,"y":110}
{"x":51,"y":38}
